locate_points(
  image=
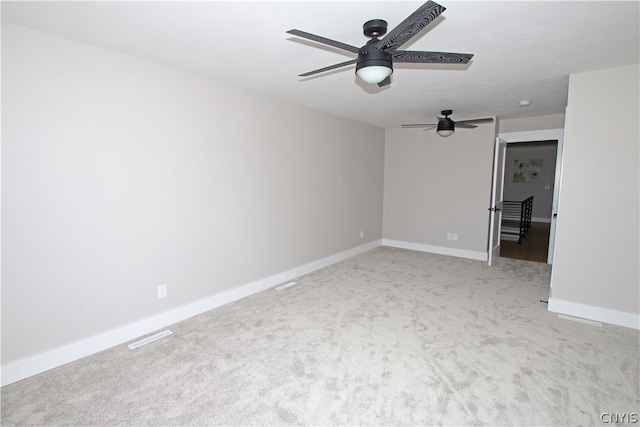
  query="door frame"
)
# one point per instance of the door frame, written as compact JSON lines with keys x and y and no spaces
{"x":537,"y":136}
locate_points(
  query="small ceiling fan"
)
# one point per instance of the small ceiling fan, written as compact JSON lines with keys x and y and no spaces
{"x":375,"y":59}
{"x":446,"y":126}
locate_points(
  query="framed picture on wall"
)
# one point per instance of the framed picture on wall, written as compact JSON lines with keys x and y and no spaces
{"x":529,"y":170}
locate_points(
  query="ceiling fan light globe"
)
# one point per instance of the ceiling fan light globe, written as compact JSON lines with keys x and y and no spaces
{"x":374,"y":73}
{"x":445,"y":132}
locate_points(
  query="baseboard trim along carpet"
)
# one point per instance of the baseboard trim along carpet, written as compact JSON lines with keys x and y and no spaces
{"x":27,"y":367}
{"x":597,"y":314}
{"x":441,"y":250}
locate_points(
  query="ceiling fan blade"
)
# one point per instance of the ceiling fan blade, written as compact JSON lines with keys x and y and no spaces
{"x":465,"y":125}
{"x":419,"y":125}
{"x":410,"y":26}
{"x":330,"y":67}
{"x":431,"y":57}
{"x":385,"y":82}
{"x":485,"y":120}
{"x":324,"y":40}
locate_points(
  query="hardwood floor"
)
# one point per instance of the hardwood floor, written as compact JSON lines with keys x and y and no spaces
{"x":534,"y":246}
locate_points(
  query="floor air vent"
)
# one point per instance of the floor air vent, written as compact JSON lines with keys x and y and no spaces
{"x":580,"y":320}
{"x":285,"y":286}
{"x":147,"y":340}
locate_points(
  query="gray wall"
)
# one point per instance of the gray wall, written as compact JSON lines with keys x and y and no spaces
{"x":541,"y":191}
{"x":120,"y":175}
{"x":435,"y":186}
{"x":597,"y":241}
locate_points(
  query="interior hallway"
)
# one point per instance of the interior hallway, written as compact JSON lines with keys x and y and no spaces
{"x":534,"y":247}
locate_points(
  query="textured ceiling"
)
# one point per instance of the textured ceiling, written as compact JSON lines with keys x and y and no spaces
{"x":522,"y":50}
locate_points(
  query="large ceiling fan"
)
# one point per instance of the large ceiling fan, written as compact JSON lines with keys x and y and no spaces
{"x":446,"y":126}
{"x":375,"y":59}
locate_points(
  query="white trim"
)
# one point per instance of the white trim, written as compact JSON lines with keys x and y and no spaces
{"x":41,"y":362}
{"x":597,"y":314}
{"x":442,"y":250}
{"x":534,"y":135}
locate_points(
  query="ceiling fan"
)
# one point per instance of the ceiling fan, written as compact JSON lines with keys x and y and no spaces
{"x":446,"y":126}
{"x":375,"y":59}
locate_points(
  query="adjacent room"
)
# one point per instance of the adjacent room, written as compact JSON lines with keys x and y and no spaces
{"x":528,"y":205}
{"x":315,"y":213}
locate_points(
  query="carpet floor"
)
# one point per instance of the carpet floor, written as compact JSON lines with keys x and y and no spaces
{"x":388,"y":337}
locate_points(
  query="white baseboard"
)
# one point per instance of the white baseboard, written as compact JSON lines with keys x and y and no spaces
{"x":460,"y":253}
{"x":591,"y":312}
{"x":42,"y":362}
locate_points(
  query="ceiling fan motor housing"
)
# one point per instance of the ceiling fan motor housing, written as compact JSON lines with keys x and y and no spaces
{"x":370,"y":55}
{"x":445,"y":124}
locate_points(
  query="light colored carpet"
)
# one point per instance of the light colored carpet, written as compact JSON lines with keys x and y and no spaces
{"x":391,"y":337}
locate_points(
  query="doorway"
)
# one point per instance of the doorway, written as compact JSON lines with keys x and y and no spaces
{"x":545,"y":183}
{"x":530,"y":169}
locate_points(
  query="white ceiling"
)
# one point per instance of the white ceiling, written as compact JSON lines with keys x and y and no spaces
{"x":523,"y":50}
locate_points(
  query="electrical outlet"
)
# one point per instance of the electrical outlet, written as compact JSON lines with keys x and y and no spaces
{"x":449,"y":236}
{"x":454,"y":236}
{"x":162,"y":291}
{"x":361,"y":234}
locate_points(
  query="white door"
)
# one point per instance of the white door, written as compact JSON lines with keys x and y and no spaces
{"x":496,"y":200}
{"x":556,"y":197}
